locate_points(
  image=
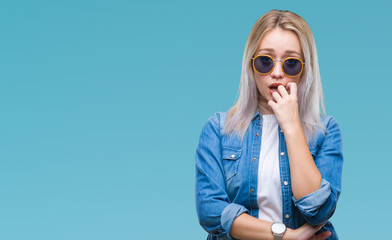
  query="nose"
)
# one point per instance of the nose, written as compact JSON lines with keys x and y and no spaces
{"x":277,"y":71}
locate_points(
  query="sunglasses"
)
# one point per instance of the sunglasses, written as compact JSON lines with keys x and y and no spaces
{"x":291,"y":66}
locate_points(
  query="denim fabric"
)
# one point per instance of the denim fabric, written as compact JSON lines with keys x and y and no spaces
{"x":226,"y":177}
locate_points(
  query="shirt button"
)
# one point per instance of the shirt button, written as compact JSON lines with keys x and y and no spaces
{"x":232,"y":156}
{"x":286,"y":183}
{"x":287,"y":216}
{"x":282,"y":153}
{"x":253,"y":159}
{"x":257,"y":134}
{"x":252,"y":190}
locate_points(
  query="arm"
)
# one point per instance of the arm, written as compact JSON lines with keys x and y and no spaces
{"x":317,"y":207}
{"x":315,"y":182}
{"x":247,"y":227}
{"x":305,"y":176}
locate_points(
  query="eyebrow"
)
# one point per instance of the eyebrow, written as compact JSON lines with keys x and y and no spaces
{"x":272,"y":50}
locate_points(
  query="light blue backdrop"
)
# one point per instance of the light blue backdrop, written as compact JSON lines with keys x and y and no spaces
{"x":102,"y":103}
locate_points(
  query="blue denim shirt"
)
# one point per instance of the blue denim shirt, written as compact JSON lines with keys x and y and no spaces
{"x":226,"y":177}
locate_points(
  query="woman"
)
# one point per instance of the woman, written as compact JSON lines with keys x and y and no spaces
{"x":270,"y":168}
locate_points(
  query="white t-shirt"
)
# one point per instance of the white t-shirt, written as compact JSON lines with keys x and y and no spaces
{"x":269,"y":189}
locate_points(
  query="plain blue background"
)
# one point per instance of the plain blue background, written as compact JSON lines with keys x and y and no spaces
{"x":102,"y":104}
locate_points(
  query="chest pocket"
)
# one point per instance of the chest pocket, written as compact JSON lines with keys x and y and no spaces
{"x":231,"y":158}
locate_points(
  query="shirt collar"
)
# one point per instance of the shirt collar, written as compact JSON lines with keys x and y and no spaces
{"x":257,"y":115}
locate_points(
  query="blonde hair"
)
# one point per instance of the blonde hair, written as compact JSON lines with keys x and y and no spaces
{"x":310,"y":92}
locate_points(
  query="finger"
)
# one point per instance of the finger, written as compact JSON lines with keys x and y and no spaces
{"x":319,"y":227}
{"x":293,"y":88}
{"x":282,"y":90}
{"x":323,"y":235}
{"x":277,"y":96}
{"x":272,"y":104}
{"x":322,"y":225}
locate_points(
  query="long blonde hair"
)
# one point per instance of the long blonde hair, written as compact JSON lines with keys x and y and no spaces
{"x":310,"y":92}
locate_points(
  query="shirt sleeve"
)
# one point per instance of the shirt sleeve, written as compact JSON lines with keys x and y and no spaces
{"x":215,"y":211}
{"x":317,"y":207}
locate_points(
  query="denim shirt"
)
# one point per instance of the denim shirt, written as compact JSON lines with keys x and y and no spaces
{"x":227,"y":171}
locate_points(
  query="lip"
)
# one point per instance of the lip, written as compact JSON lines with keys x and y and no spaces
{"x":274,"y":87}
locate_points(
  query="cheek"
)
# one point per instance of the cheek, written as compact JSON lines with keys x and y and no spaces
{"x":262,"y":89}
{"x":296,"y":80}
{"x":260,"y":84}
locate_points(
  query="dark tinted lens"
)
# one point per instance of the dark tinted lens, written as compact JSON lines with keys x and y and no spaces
{"x":263,"y":64}
{"x":292,"y":66}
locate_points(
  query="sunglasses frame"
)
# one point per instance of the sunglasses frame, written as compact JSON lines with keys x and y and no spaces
{"x":273,"y":66}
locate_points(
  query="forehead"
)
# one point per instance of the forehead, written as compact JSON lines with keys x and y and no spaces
{"x":280,"y":42}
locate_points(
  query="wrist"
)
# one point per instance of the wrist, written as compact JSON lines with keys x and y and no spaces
{"x":293,"y":128}
{"x":278,"y":229}
{"x":289,"y":234}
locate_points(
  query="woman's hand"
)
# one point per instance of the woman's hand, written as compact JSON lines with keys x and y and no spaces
{"x":285,"y":107}
{"x":321,"y":236}
{"x":307,"y":232}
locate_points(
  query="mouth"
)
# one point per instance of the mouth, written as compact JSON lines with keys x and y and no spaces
{"x":274,"y":87}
